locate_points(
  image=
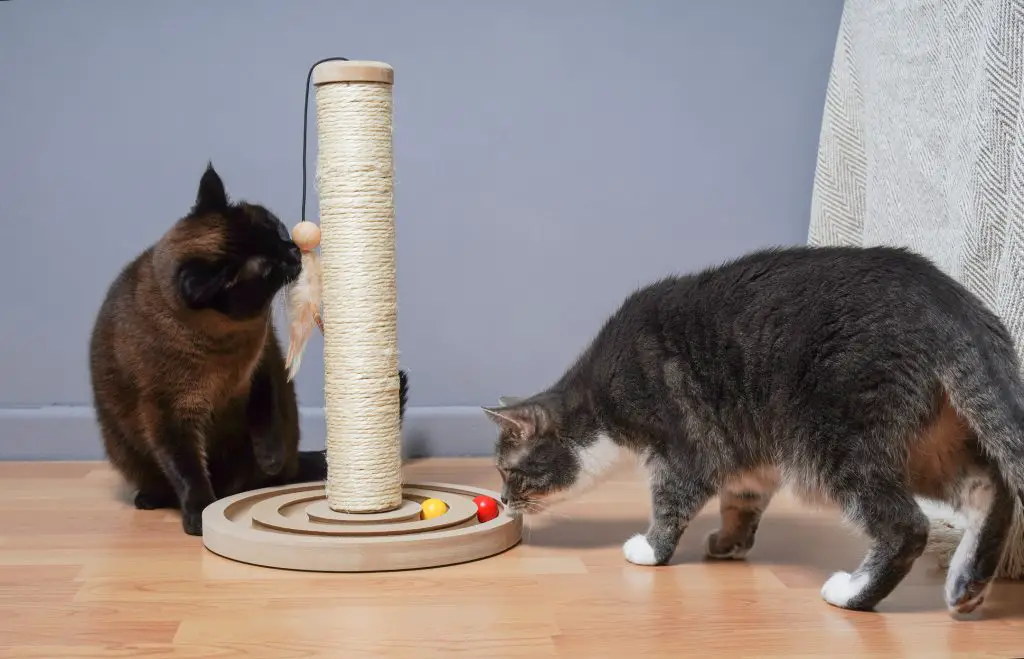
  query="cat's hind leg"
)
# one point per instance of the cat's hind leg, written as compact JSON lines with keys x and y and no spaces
{"x":987,"y":506}
{"x":153,"y":491}
{"x":898,"y":530}
{"x":986,"y":389}
{"x":742,"y":501}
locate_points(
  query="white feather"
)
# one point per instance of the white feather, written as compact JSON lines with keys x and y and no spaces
{"x":304,"y":298}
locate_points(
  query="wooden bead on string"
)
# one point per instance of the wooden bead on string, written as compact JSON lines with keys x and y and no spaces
{"x":306,"y":235}
{"x":304,"y":296}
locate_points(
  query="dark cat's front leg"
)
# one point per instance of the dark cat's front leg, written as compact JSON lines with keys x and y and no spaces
{"x":178,"y":447}
{"x":676,"y":496}
{"x":263,"y":419}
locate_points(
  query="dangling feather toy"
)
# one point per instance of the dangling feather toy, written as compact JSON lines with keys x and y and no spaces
{"x":304,"y":296}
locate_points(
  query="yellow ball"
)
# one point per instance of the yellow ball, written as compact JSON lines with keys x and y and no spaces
{"x":306,"y":235}
{"x":432,"y":508}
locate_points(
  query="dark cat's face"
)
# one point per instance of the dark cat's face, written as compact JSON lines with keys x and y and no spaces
{"x":544,"y":455}
{"x":233,"y":258}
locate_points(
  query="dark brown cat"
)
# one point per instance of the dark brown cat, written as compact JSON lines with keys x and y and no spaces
{"x":188,"y":378}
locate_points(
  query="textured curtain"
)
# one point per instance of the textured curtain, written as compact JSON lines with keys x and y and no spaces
{"x":922,"y":145}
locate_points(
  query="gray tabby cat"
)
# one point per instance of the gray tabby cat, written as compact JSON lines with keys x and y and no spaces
{"x":862,"y":375}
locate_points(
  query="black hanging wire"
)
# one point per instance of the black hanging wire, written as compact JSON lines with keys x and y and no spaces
{"x":305,"y":126}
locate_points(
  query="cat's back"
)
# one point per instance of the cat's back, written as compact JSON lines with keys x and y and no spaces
{"x":881,"y":286}
{"x":120,"y":330}
{"x":802,"y":282}
{"x":798,"y":295}
{"x":142,"y":345}
{"x":117,"y":308}
{"x":822,"y":271}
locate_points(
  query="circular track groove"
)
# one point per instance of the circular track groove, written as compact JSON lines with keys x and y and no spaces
{"x":292,"y":528}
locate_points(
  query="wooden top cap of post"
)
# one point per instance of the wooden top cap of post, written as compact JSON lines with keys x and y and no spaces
{"x":353,"y":71}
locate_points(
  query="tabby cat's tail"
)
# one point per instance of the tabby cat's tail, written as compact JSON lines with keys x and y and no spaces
{"x":403,"y":393}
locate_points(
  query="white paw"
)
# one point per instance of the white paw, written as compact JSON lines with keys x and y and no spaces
{"x":638,"y":551}
{"x":842,"y":587}
{"x":965,"y":603}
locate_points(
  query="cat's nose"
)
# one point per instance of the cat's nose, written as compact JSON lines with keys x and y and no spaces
{"x":504,"y":499}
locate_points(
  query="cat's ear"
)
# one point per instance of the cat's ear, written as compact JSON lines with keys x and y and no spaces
{"x":211,"y":196}
{"x":523,"y":421}
{"x":199,"y":281}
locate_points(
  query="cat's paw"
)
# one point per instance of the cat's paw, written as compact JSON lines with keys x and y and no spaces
{"x":154,"y":501}
{"x":638,"y":551}
{"x":843,"y":590}
{"x":715,"y":549}
{"x":964,"y":597}
{"x":192,"y":522}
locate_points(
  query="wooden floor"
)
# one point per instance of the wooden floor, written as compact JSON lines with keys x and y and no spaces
{"x":83,"y":574}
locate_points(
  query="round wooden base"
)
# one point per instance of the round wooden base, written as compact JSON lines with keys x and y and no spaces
{"x":292,"y":527}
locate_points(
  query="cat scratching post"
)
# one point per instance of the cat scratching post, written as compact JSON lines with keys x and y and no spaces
{"x":364,"y":518}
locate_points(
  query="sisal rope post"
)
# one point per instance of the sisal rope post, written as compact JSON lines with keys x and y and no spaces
{"x":365,"y":519}
{"x":355,"y":178}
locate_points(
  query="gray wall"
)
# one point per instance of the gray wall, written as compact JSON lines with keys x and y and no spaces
{"x":551,"y":156}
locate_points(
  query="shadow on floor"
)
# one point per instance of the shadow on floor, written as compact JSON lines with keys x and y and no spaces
{"x":802,"y":552}
{"x":780,"y":540}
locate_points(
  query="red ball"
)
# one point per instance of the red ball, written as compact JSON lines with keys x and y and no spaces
{"x":486,"y":508}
